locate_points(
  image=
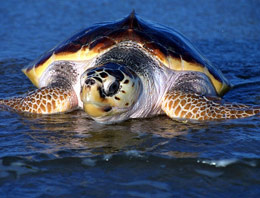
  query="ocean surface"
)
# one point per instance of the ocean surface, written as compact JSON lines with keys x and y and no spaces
{"x":69,"y":155}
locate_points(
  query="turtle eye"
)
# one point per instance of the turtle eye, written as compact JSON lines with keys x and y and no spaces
{"x":113,"y":88}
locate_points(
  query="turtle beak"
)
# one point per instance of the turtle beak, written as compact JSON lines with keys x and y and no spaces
{"x":94,"y":101}
{"x":91,"y":91}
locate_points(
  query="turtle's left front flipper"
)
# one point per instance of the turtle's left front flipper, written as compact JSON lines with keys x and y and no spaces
{"x":47,"y":100}
{"x":192,"y":106}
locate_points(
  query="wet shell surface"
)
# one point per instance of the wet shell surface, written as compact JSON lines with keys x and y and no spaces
{"x":168,"y":46}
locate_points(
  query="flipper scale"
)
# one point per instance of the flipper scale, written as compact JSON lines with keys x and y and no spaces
{"x":47,"y":100}
{"x":192,"y":106}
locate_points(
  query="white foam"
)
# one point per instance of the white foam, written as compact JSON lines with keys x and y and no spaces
{"x":218,"y":163}
{"x":107,"y":157}
{"x":133,"y":153}
{"x":227,"y":162}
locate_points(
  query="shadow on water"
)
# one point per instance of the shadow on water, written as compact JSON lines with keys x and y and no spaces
{"x":75,"y":131}
{"x":74,"y":134}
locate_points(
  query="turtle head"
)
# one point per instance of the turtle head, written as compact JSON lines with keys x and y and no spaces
{"x":109,"y":91}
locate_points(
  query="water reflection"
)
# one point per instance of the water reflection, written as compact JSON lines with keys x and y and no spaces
{"x":75,"y":134}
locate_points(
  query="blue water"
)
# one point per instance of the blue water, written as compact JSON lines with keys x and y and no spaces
{"x":70,"y":155}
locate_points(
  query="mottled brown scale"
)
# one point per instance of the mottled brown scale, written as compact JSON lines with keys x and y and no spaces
{"x":250,"y":112}
{"x":49,"y":107}
{"x":223,"y":112}
{"x":219,"y":116}
{"x":39,"y":97}
{"x":195,"y":110}
{"x":176,"y":102}
{"x":182,"y":97}
{"x":43,"y":107}
{"x":44,"y":101}
{"x":240,"y":112}
{"x":183,"y":113}
{"x":232,"y":111}
{"x":170,"y":104}
{"x":183,"y":102}
{"x":189,"y":115}
{"x":177,"y":110}
{"x":53,"y":104}
{"x":55,"y":96}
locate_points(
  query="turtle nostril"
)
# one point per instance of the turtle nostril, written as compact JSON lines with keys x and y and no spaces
{"x":90,"y":82}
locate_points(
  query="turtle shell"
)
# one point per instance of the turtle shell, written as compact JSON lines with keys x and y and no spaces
{"x":171,"y":48}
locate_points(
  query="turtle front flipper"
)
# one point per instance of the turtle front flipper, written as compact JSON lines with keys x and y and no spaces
{"x":192,"y":106}
{"x":47,"y":100}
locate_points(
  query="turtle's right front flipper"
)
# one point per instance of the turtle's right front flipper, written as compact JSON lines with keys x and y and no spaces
{"x":47,"y":100}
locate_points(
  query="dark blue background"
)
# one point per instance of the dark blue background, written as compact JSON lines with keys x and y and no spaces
{"x":69,"y":155}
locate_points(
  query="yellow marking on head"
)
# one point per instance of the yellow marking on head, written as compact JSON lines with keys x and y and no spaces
{"x":94,"y":110}
{"x":92,"y":94}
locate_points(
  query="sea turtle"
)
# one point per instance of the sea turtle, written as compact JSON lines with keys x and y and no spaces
{"x":128,"y":69}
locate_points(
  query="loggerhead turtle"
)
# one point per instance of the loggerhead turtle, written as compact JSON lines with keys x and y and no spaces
{"x":128,"y":69}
